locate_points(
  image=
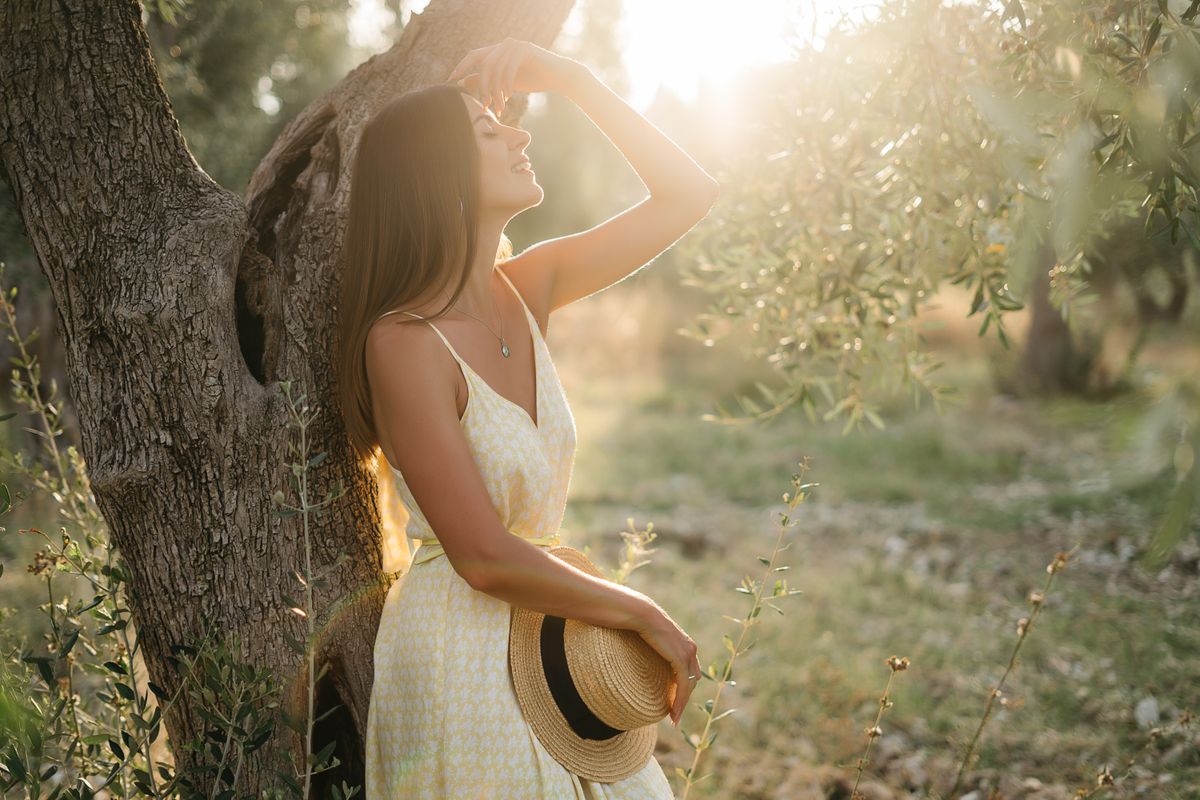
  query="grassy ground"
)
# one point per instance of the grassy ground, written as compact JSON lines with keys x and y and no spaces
{"x":923,"y":540}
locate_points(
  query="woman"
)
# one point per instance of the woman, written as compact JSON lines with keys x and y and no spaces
{"x":472,"y":418}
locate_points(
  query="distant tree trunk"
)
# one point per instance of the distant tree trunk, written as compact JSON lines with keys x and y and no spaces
{"x":1050,"y":362}
{"x":181,"y":306}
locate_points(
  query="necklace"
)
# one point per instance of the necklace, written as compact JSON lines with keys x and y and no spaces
{"x":503,"y":344}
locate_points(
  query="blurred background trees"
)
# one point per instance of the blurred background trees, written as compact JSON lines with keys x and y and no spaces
{"x":1037,"y":155}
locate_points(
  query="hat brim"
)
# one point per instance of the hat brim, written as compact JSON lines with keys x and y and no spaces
{"x":603,"y":760}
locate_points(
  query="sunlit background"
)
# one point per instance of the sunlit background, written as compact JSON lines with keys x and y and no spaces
{"x":680,"y":45}
{"x":860,"y":171}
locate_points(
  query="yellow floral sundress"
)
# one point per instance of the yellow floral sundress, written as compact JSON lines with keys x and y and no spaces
{"x":443,"y":722}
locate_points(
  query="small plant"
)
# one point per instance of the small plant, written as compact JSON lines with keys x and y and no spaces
{"x":1037,"y":600}
{"x":1105,"y":778}
{"x":635,"y":550}
{"x":237,"y":702}
{"x":723,"y":675}
{"x":300,"y":780}
{"x":83,"y":724}
{"x":895,"y":664}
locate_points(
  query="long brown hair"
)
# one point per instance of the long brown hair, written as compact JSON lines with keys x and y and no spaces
{"x":406,"y":233}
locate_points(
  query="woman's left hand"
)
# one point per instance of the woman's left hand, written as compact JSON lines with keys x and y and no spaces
{"x":494,"y":73}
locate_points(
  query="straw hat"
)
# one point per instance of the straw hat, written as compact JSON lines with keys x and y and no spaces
{"x":592,"y":695}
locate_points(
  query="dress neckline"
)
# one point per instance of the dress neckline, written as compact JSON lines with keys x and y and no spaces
{"x":536,"y":342}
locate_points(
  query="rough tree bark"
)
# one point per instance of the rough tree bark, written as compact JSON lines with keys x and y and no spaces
{"x":181,"y":307}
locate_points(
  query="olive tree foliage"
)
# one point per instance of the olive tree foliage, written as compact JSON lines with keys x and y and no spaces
{"x":854,"y":199}
{"x":984,"y":145}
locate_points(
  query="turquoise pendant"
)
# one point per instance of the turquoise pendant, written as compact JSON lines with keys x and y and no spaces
{"x":504,"y":348}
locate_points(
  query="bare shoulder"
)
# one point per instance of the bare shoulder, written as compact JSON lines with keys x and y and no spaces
{"x":410,"y":372}
{"x":403,"y":340}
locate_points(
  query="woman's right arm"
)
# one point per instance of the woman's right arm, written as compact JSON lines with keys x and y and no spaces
{"x":412,"y":380}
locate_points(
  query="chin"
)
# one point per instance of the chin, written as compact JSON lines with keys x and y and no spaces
{"x":534,"y":198}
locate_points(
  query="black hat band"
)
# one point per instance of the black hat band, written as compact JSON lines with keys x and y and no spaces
{"x":583,"y":722}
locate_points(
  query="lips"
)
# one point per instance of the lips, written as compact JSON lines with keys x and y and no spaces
{"x":523,"y":163}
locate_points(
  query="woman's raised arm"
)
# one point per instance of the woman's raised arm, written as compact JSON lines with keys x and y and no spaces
{"x":680,"y":191}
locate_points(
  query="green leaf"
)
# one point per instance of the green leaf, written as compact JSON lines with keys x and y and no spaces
{"x":16,"y":766}
{"x":292,"y":722}
{"x":114,"y":626}
{"x":977,"y":302}
{"x":324,"y":753}
{"x":68,"y":643}
{"x":328,"y":711}
{"x":95,"y":601}
{"x":295,"y":645}
{"x":43,"y":666}
{"x":1152,"y":36}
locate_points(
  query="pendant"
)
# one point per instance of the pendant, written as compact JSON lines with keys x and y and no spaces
{"x":504,"y":348}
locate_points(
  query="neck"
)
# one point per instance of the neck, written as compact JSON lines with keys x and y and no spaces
{"x":478,"y":297}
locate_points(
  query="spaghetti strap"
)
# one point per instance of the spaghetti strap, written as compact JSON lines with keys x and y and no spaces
{"x":445,"y":341}
{"x":529,"y":314}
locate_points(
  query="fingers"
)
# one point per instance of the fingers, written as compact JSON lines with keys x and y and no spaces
{"x":685,"y":683}
{"x":473,"y":73}
{"x":506,"y":72}
{"x":511,"y":66}
{"x":492,"y":77}
{"x":683,"y":688}
{"x":494,"y":69}
{"x":468,"y":62}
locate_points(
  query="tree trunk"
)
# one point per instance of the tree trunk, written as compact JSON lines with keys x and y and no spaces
{"x":1050,"y":363}
{"x":182,"y":306}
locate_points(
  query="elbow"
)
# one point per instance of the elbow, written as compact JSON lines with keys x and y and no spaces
{"x":707,"y":193}
{"x":477,"y":579}
{"x":473,"y":573}
{"x":714,"y":188}
{"x":700,"y":194}
{"x":478,"y":571}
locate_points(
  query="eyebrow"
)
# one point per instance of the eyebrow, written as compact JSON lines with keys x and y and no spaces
{"x":488,"y":117}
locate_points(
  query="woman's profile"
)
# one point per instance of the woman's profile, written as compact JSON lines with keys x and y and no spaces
{"x":445,"y":370}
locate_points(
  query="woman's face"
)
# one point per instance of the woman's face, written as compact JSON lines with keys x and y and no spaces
{"x":501,"y":149}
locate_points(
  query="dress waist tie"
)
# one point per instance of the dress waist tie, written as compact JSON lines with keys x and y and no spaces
{"x":427,"y":550}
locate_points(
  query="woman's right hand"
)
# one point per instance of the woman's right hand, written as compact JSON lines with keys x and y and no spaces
{"x":499,"y":70}
{"x":669,"y":640}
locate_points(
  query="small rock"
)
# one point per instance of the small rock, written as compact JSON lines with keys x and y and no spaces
{"x":1146,"y":712}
